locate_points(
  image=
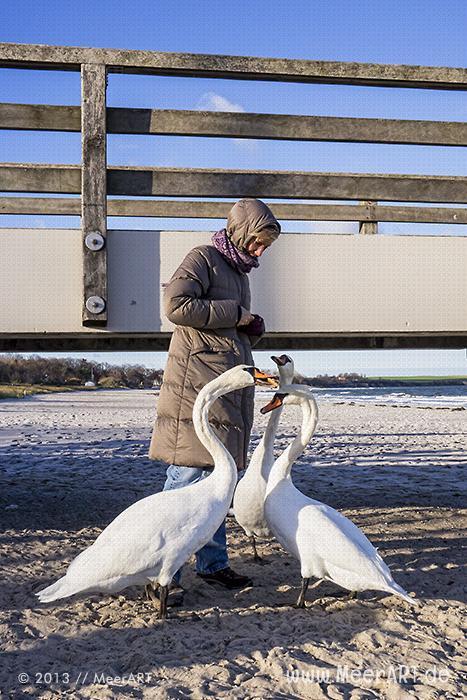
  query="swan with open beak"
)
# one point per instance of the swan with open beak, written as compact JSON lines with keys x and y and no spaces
{"x":263,"y":378}
{"x":152,"y":538}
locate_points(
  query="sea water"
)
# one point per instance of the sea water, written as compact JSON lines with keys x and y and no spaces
{"x":440,"y":396}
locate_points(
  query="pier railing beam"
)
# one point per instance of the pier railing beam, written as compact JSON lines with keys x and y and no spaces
{"x":94,"y":193}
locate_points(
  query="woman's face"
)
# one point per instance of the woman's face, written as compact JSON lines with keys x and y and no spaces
{"x":256,"y":248}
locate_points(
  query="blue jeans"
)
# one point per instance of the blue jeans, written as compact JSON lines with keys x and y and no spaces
{"x":213,"y":556}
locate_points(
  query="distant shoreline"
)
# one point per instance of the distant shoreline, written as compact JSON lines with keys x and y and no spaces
{"x":20,"y":391}
{"x":389,"y":381}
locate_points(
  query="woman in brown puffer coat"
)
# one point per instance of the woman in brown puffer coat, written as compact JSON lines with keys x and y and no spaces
{"x":208,"y":300}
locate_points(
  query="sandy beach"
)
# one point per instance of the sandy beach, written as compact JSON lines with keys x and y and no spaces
{"x":69,"y":463}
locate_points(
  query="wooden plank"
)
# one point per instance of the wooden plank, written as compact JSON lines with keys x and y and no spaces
{"x":86,"y":342}
{"x":238,"y":67}
{"x":94,"y":194}
{"x":30,"y":177}
{"x":185,"y":182}
{"x":40,"y":117}
{"x":46,"y":206}
{"x":237,"y":125}
{"x":53,"y":206}
{"x":179,"y":182}
{"x":285,"y":127}
{"x":417,"y":215}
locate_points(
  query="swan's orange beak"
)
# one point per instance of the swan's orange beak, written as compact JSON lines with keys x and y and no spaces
{"x":263,"y":379}
{"x":276,"y":401}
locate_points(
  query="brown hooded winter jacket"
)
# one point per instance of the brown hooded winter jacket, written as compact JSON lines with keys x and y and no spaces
{"x":202,"y":299}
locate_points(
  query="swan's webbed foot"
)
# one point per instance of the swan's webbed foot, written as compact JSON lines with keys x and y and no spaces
{"x":301,"y":598}
{"x":345,"y":594}
{"x":173,"y":598}
{"x":159,"y":599}
{"x":150,"y":591}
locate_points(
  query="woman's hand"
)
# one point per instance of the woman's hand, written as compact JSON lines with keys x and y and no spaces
{"x":246,"y":317}
{"x":254,"y":328}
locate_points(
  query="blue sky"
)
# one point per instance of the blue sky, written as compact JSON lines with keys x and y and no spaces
{"x":402,"y":31}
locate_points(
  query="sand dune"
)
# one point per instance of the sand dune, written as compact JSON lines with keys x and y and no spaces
{"x":70,"y":463}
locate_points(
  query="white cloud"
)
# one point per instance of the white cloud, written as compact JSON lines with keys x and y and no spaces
{"x":211,"y":101}
{"x":217,"y":103}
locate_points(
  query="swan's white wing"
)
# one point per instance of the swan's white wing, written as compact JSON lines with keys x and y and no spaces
{"x":142,"y":535}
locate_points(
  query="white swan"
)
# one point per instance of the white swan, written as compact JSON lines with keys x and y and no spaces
{"x":149,"y":541}
{"x":328,"y":545}
{"x":248,"y":502}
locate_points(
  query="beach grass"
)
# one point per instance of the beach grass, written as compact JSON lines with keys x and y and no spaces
{"x":19,"y":391}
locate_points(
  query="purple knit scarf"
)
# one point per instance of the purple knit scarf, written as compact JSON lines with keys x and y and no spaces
{"x":240,"y":260}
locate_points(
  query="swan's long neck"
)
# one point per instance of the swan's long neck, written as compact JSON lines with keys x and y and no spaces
{"x":283,"y":465}
{"x":267,"y":441}
{"x":225,"y":469}
{"x":266,"y":446}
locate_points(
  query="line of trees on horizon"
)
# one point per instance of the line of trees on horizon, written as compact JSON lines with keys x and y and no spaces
{"x":53,"y":371}
{"x":17,"y":369}
{"x":69,"y":371}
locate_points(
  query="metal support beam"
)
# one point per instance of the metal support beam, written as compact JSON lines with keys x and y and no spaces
{"x":273,"y":341}
{"x":94,"y":194}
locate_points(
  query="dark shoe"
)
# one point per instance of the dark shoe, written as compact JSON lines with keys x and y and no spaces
{"x":226,"y":578}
